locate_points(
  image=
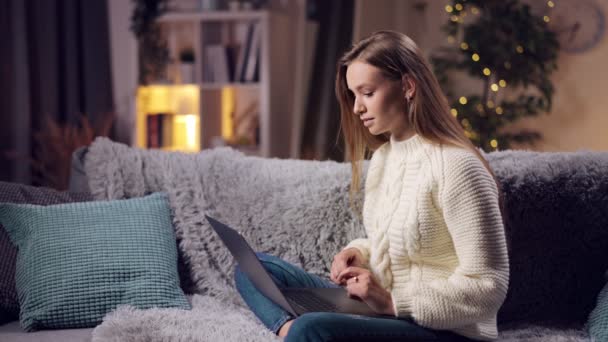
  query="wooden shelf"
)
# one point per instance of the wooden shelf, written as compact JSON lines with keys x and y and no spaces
{"x":215,"y":86}
{"x":233,"y":111}
{"x":212,"y":16}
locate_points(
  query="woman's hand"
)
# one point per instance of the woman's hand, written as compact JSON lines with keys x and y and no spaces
{"x":361,"y":283}
{"x":348,"y":257}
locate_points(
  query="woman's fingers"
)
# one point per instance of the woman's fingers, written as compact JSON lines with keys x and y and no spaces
{"x":351,"y":272}
{"x":337,"y":266}
{"x":347,"y":257}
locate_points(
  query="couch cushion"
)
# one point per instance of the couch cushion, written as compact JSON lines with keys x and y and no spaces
{"x":557,"y":225}
{"x":12,"y":332}
{"x":78,"y":261}
{"x":18,"y":193}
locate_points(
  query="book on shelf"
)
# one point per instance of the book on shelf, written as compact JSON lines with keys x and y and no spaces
{"x":253,"y":54}
{"x":232,"y":52}
{"x":159,"y":130}
{"x":243,"y":33}
{"x":218,"y":63}
{"x":237,"y":61}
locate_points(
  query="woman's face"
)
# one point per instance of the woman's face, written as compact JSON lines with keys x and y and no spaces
{"x":379,"y":101}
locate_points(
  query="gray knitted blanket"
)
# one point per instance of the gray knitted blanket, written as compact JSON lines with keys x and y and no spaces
{"x":297,"y":210}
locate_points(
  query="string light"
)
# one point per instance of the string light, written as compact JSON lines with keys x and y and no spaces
{"x":454,"y":112}
{"x":494,"y":87}
{"x":479,"y":107}
{"x":449,"y":9}
{"x":462,"y":100}
{"x":475,"y":10}
{"x":546,"y":18}
{"x":499,"y":110}
{"x":502,"y":83}
{"x":454,"y":18}
{"x":550,"y":4}
{"x":490,"y":104}
{"x":475,"y":57}
{"x":519,"y":49}
{"x":487,"y":72}
{"x":494,"y":143}
{"x":451,"y":39}
{"x":464,"y":46}
{"x":458,"y":7}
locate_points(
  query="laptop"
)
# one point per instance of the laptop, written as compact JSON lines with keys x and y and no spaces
{"x":296,"y":301}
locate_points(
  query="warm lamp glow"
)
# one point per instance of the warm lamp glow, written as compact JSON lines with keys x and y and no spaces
{"x":186,"y":132}
{"x":178,"y":101}
{"x":228,"y":101}
{"x":155,"y":99}
{"x":186,"y":99}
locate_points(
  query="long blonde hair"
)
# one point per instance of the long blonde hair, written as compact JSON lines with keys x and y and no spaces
{"x":395,"y":54}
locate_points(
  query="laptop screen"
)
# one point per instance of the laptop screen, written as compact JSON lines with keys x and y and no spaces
{"x":249,"y":263}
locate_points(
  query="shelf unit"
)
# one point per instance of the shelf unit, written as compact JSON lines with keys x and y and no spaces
{"x":251,"y":116}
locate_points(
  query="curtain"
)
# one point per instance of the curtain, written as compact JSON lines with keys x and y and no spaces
{"x":56,"y":67}
{"x":321,"y":124}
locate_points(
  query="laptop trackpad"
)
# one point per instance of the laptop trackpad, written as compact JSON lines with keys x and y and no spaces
{"x":339,"y":297}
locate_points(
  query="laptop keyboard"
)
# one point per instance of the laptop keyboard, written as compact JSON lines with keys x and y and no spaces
{"x":310,"y":302}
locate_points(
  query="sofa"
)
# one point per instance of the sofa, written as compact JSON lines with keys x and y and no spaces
{"x":556,"y":215}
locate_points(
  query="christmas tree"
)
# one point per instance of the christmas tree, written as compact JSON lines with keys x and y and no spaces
{"x":513,"y":52}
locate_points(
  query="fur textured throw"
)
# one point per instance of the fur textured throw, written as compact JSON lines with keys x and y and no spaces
{"x":556,"y":211}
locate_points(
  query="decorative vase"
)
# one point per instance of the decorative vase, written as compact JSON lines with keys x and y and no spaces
{"x":186,"y":72}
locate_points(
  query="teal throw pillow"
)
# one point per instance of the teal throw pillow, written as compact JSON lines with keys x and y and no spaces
{"x":598,"y":319}
{"x":78,"y":261}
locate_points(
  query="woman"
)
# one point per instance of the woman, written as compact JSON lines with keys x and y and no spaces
{"x":435,"y":254}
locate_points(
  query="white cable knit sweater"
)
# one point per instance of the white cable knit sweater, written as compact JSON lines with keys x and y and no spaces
{"x":436,"y":239}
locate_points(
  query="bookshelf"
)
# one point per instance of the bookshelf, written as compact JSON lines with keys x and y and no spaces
{"x":237,"y":91}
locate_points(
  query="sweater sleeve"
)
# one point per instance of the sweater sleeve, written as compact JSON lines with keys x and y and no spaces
{"x":478,"y":285}
{"x":363,"y":245}
{"x":371,"y":183}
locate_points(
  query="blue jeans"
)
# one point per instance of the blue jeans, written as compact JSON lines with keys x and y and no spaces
{"x":326,"y":326}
